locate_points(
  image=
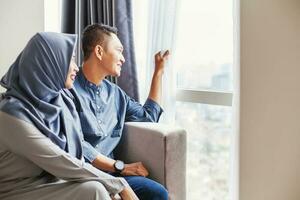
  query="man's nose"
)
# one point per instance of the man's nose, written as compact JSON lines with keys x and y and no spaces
{"x":122,"y":59}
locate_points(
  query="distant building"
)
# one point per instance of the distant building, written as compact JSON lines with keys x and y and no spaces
{"x":223,"y":80}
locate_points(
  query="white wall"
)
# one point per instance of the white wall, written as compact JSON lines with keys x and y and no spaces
{"x":270,"y":100}
{"x":19,"y":20}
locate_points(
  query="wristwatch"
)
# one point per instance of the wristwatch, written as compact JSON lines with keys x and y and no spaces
{"x":119,"y":166}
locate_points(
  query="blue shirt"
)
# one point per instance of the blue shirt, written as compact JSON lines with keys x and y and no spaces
{"x":105,"y":108}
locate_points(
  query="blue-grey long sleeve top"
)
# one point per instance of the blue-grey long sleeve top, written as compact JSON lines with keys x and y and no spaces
{"x":105,"y":109}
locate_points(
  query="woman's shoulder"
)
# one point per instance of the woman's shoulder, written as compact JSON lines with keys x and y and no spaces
{"x":13,"y":106}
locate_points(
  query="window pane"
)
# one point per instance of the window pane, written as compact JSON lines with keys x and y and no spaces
{"x":204,"y":45}
{"x":209,"y":139}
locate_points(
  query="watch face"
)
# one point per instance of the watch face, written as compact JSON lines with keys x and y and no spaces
{"x":119,"y":165}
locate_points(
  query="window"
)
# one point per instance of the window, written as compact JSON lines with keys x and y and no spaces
{"x":204,"y":48}
{"x":203,"y":60}
{"x":209,"y":140}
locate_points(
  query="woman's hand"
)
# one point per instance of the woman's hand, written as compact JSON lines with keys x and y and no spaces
{"x":128,"y":194}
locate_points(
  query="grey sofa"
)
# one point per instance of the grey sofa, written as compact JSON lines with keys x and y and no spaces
{"x":162,"y":149}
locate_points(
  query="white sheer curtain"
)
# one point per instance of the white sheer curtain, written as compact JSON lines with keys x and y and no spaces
{"x":161,"y":36}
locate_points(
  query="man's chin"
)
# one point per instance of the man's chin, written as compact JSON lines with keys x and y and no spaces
{"x":115,"y":73}
{"x":118,"y":73}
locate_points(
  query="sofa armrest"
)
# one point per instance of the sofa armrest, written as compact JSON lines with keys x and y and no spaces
{"x":162,"y":149}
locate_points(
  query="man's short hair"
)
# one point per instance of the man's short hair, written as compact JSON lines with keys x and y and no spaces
{"x":95,"y":34}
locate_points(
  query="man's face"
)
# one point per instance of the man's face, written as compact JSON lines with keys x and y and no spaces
{"x":112,"y":58}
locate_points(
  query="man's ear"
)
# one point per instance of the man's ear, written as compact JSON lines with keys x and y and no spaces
{"x":98,"y":51}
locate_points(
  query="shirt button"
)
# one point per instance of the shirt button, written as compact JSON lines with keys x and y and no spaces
{"x":91,"y":84}
{"x":97,"y":145}
{"x":97,"y":93}
{"x":99,"y":121}
{"x":105,"y":135}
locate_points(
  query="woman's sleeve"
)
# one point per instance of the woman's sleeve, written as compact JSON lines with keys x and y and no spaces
{"x":24,"y":139}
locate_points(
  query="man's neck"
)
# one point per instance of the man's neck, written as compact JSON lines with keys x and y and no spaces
{"x":92,"y":72}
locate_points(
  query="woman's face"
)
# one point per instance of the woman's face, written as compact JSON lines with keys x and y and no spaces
{"x":73,"y":69}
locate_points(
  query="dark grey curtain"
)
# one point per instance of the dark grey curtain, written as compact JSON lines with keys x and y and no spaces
{"x":128,"y":80}
{"x":77,"y":14}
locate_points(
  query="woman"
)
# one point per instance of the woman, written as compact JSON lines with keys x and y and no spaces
{"x":40,"y":137}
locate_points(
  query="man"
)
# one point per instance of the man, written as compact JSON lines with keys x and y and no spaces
{"x":106,"y":107}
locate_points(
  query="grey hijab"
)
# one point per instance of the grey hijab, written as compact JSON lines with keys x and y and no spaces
{"x":35,"y":93}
